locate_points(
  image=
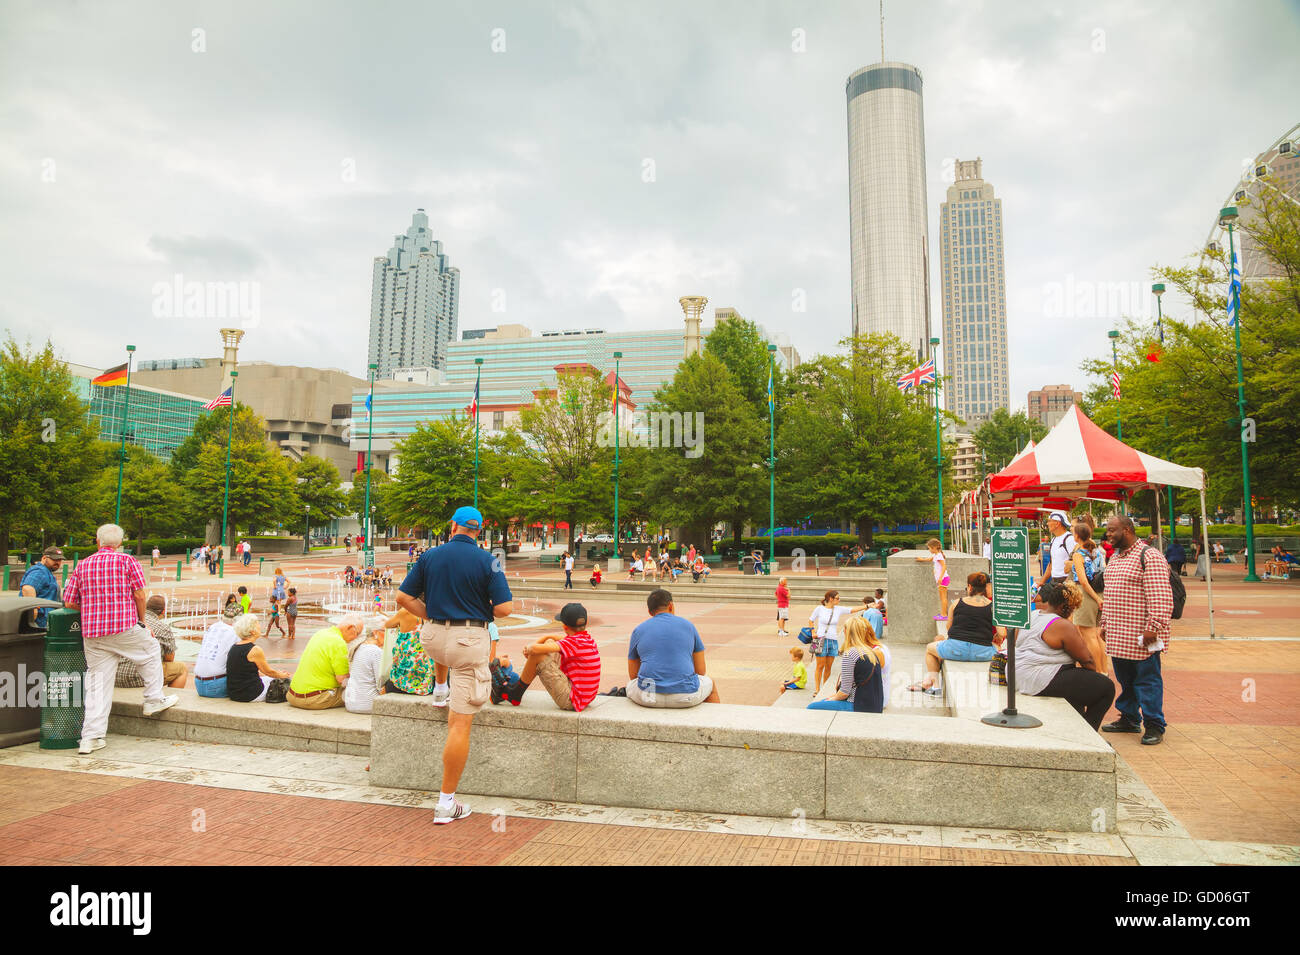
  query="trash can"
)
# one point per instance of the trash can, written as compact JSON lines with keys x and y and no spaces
{"x":22,"y":646}
{"x":884,"y":557}
{"x":65,"y":673}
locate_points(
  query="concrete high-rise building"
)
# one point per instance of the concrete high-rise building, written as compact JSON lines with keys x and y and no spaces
{"x":888,"y":215}
{"x":1049,"y":404}
{"x":414,"y":302}
{"x":974,"y":296}
{"x":1276,"y":172}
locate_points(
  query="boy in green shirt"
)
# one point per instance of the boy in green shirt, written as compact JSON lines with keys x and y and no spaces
{"x":800,"y":680}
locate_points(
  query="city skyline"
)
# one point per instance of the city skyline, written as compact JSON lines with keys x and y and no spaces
{"x":619,"y":180}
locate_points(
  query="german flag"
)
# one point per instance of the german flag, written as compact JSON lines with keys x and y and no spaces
{"x":114,"y":376}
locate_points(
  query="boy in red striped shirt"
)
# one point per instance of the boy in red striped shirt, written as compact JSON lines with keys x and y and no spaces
{"x":569,"y":668}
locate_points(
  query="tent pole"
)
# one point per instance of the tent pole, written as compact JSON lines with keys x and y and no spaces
{"x":1205,"y":544}
{"x":1160,"y":537}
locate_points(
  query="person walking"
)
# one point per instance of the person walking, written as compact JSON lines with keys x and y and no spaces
{"x":782,"y":607}
{"x":1134,"y":620}
{"x":248,"y":551}
{"x":279,"y":585}
{"x":568,"y":571}
{"x":1059,"y":550}
{"x":108,"y":589}
{"x":457,"y":589}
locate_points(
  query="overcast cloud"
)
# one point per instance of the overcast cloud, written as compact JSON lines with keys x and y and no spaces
{"x":291,"y":150}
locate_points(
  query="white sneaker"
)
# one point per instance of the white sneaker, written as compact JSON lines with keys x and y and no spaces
{"x":445,"y":814}
{"x":167,"y":702}
{"x":440,"y":698}
{"x":88,"y":746}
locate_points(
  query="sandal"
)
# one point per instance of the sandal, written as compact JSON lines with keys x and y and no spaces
{"x":920,"y":688}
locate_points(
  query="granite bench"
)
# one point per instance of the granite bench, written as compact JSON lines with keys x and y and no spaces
{"x":768,"y":761}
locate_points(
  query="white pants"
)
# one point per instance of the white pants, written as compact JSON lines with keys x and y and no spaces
{"x":102,"y":655}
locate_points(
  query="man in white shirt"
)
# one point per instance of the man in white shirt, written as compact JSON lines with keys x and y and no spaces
{"x":210,"y":666}
{"x":248,"y":552}
{"x":568,"y":571}
{"x":1062,"y":546}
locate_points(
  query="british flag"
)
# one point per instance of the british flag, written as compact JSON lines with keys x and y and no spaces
{"x":921,"y":375}
{"x":220,"y":401}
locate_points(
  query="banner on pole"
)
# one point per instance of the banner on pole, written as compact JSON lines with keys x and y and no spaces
{"x":1010,"y":559}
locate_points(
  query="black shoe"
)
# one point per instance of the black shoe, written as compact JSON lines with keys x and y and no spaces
{"x":1153,"y":736}
{"x":1121,"y":725}
{"x":500,"y":681}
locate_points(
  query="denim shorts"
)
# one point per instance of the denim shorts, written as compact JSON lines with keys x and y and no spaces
{"x":830,"y":648}
{"x":960,"y":651}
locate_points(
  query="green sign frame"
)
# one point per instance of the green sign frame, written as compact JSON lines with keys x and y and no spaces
{"x":1009,"y":557}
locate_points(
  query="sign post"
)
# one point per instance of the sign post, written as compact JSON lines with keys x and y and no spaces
{"x":1009,"y":556}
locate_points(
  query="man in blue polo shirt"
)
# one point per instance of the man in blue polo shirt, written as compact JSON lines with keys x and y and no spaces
{"x":665,"y":659}
{"x":39,"y":581}
{"x":457,"y":589}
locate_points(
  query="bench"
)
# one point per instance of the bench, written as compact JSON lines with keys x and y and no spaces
{"x":767,"y":761}
{"x":556,"y":559}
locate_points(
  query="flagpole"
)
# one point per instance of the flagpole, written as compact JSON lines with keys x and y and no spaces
{"x":230,"y":431}
{"x":1114,"y":364}
{"x":121,"y":451}
{"x":1159,"y":289}
{"x":618,"y":550}
{"x":478,"y":377}
{"x":771,"y":458}
{"x":370,"y":440}
{"x":1227,"y":217}
{"x":938,"y":434}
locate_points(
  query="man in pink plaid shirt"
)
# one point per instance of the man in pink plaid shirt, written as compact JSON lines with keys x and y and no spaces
{"x":108,"y":588}
{"x":1136,"y":606}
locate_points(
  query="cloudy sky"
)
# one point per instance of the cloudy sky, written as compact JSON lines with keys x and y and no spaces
{"x":283,"y":144}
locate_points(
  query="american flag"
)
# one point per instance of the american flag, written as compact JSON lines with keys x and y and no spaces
{"x":220,"y":401}
{"x":1114,"y":384}
{"x":1234,"y":290}
{"x":921,"y":375}
{"x":473,"y":405}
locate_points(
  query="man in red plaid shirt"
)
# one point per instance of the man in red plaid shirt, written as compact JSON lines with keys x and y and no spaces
{"x":1136,"y":606}
{"x":108,"y":588}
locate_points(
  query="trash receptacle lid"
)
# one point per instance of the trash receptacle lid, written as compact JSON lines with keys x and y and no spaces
{"x":14,"y":608}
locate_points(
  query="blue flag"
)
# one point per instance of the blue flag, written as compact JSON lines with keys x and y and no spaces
{"x":769,"y":388}
{"x":1234,"y":291}
{"x":369,"y":410}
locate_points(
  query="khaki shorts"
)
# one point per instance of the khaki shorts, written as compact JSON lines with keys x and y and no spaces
{"x":464,"y":651}
{"x":325,"y":700}
{"x":555,"y":680}
{"x":172,"y":669}
{"x":669,"y":701}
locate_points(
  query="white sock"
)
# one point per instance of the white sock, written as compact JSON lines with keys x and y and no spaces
{"x":446,"y":800}
{"x":440,"y":687}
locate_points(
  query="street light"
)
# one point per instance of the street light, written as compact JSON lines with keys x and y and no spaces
{"x":1227,"y":219}
{"x":618,"y":551}
{"x":478,"y":377}
{"x":370,"y":440}
{"x":771,"y":456}
{"x":1114,"y":364}
{"x":1158,"y":289}
{"x":938,"y":434}
{"x":306,"y":534}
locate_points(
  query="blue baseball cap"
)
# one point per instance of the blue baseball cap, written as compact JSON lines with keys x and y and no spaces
{"x":467,"y":517}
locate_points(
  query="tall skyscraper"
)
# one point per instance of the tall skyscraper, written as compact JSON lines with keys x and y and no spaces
{"x":414,"y":302}
{"x":974,"y":296}
{"x":888,"y":219}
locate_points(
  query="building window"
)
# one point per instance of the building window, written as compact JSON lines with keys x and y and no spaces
{"x":498,"y":420}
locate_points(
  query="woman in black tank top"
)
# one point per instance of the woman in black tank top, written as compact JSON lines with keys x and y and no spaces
{"x":247,"y":672}
{"x":970,"y":634}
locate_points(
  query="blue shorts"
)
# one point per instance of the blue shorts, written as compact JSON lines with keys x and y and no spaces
{"x":960,"y":651}
{"x":215,"y":689}
{"x":830,"y":648}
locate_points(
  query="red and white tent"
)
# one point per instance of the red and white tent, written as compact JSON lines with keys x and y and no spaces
{"x":1079,"y":460}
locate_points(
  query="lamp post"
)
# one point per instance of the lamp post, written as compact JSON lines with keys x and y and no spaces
{"x":618,"y":550}
{"x":121,"y":451}
{"x":1228,"y":218}
{"x":306,"y":534}
{"x":230,"y":431}
{"x":1159,"y":289}
{"x":771,"y":457}
{"x":938,"y":434}
{"x":1114,"y":364}
{"x":478,"y":377}
{"x":370,"y":441}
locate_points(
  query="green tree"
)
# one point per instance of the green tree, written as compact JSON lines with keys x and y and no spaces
{"x":567,"y":456}
{"x":722,"y":478}
{"x":46,"y":445}
{"x":851,"y":445}
{"x":355,"y":503}
{"x":1000,"y":438}
{"x":740,"y":345}
{"x":435,"y":475}
{"x":262,"y":488}
{"x":152,"y":501}
{"x":317,"y":482}
{"x":211,"y":427}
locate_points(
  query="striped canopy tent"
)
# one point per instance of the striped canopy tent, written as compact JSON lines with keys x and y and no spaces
{"x":1079,"y":461}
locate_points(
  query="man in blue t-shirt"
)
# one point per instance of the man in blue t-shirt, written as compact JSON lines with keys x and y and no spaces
{"x":665,"y":659}
{"x":877,"y":620}
{"x":39,"y":581}
{"x":457,"y":590}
